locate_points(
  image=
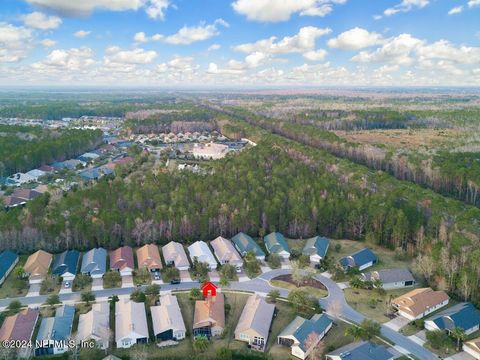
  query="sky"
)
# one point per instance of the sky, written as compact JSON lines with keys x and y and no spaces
{"x":240,"y":43}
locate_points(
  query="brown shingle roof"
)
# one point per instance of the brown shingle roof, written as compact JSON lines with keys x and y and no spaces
{"x":210,"y":312}
{"x":418,"y":301}
{"x":19,"y":326}
{"x":121,"y":258}
{"x":38,"y":263}
{"x":149,"y":256}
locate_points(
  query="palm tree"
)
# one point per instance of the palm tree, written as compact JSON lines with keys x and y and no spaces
{"x":356,"y":332}
{"x":459,"y":335}
{"x":356,"y":283}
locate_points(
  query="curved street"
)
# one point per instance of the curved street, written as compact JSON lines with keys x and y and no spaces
{"x":334,"y":304}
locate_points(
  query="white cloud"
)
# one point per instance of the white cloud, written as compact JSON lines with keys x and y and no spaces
{"x":38,"y":20}
{"x":275,"y":10}
{"x":114,"y":55}
{"x":14,"y":42}
{"x":445,"y":50}
{"x":406,"y":6}
{"x":214,"y":69}
{"x":66,"y":60}
{"x":214,"y":47}
{"x":455,"y":10}
{"x":302,"y":42}
{"x":48,"y":42}
{"x":140,"y":37}
{"x":81,"y":33}
{"x":315,"y":55}
{"x":154,"y":8}
{"x":473,"y":3}
{"x":188,"y":35}
{"x":354,"y":39}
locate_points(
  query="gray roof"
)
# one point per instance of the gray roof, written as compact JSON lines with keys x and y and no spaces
{"x":94,"y":262}
{"x":301,"y":328}
{"x":316,"y":245}
{"x":275,"y":243}
{"x":363,"y":351}
{"x":245,"y":243}
{"x":388,"y":276}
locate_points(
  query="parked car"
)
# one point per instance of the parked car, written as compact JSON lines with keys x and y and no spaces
{"x":156,"y":276}
{"x":175,"y":282}
{"x":67,"y":285}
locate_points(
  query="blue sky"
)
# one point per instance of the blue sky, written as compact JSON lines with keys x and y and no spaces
{"x":240,"y":42}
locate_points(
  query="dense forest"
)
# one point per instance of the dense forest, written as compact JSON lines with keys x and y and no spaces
{"x":279,"y":185}
{"x":24,"y":148}
{"x":455,"y":174}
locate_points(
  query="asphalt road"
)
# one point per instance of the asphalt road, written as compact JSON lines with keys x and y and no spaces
{"x":334,"y":304}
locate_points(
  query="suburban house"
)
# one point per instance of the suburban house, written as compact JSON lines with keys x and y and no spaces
{"x":20,"y":197}
{"x":174,"y":255}
{"x":20,"y":327}
{"x":148,"y":256}
{"x":8,"y":260}
{"x":316,"y":248}
{"x":276,"y":244}
{"x":55,"y":331}
{"x":94,"y":263}
{"x":209,"y":317}
{"x":303,"y":335}
{"x":420,"y":302}
{"x":254,"y":324}
{"x":65,"y":264}
{"x":364,"y":350}
{"x":121,"y":260}
{"x":167,"y":319}
{"x":95,"y":325}
{"x":225,"y":253}
{"x":201,"y":251}
{"x":37,"y":266}
{"x":472,"y":347}
{"x":360,"y":260}
{"x":130,"y":323}
{"x":391,"y":278}
{"x":463,"y":315}
{"x":245,"y":244}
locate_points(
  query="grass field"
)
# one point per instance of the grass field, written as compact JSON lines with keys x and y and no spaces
{"x":55,"y":289}
{"x":12,"y":286}
{"x":319,"y":293}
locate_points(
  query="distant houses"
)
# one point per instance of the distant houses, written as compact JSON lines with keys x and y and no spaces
{"x":20,"y":327}
{"x":463,"y":315}
{"x":276,"y":244}
{"x":66,"y":264}
{"x":20,"y":197}
{"x":391,"y":278}
{"x":37,"y":266}
{"x":209,"y":316}
{"x":55,"y":332}
{"x":303,"y":335}
{"x":8,"y":260}
{"x":245,"y":244}
{"x":199,"y":250}
{"x":94,"y":263}
{"x":254,"y":324}
{"x":121,"y":260}
{"x":167,"y":319}
{"x":225,"y":253}
{"x":130,"y":323}
{"x":364,"y":350}
{"x":316,"y":249}
{"x":418,"y":303}
{"x":95,"y":325}
{"x":360,"y":260}
{"x":174,"y":255}
{"x":148,"y":257}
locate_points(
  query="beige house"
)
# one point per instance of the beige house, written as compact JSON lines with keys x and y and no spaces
{"x":95,"y":325}
{"x":472,"y":347}
{"x":148,"y":256}
{"x":167,"y":319}
{"x":130,"y":323}
{"x":225,"y":253}
{"x":37,"y":266}
{"x":174,"y":255}
{"x":209,"y":317}
{"x":420,"y":302}
{"x":254,"y":324}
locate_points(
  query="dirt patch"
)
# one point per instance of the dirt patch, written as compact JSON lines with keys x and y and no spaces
{"x":312,"y":282}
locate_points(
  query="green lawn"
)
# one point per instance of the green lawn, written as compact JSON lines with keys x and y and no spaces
{"x":319,"y":293}
{"x":56,"y":287}
{"x":296,"y":244}
{"x":361,"y":300}
{"x":14,"y":287}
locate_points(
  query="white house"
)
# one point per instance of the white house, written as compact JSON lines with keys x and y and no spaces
{"x":202,"y":253}
{"x":226,"y":252}
{"x":130,"y":323}
{"x":167,"y":319}
{"x":174,"y":255}
{"x":95,"y":325}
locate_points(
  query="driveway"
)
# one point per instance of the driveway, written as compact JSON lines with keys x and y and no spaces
{"x":185,"y":276}
{"x":33,"y":290}
{"x":397,"y":323}
{"x":64,"y":289}
{"x":97,"y":284}
{"x":461,"y":356}
{"x":213,"y":275}
{"x":127,"y":281}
